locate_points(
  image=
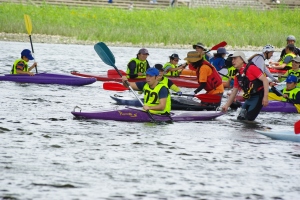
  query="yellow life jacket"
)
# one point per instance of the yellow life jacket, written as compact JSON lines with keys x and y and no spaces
{"x":288,"y":65}
{"x":141,"y":66}
{"x":171,"y":73}
{"x":291,"y":93}
{"x":14,"y":68}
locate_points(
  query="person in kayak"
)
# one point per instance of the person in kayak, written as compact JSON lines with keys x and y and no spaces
{"x":171,"y":68}
{"x":20,"y":66}
{"x":289,"y":40}
{"x":259,"y":60}
{"x":165,"y":80}
{"x":218,"y":60}
{"x":156,"y":94}
{"x":254,"y":84}
{"x":137,"y":67}
{"x":294,"y":71}
{"x":291,"y":93}
{"x":286,"y":61}
{"x":201,"y":49}
{"x":207,"y":75}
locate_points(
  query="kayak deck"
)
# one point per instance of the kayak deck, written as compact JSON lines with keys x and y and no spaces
{"x":281,"y":135}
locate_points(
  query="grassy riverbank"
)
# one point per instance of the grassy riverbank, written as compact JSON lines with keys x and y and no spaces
{"x":183,"y":26}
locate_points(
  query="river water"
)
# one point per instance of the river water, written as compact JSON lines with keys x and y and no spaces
{"x":46,"y":154}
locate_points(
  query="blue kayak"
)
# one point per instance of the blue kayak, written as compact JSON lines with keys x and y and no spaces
{"x":48,"y":78}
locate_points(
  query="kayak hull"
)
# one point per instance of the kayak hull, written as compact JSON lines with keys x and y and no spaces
{"x":48,"y":78}
{"x":281,"y":135}
{"x":177,"y":103}
{"x":137,"y":115}
{"x":188,"y":83}
{"x":279,"y":106}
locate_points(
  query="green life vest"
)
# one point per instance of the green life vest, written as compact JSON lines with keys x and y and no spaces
{"x":288,"y":65}
{"x":291,"y":93}
{"x":295,"y":73}
{"x":141,"y":66}
{"x":14,"y":68}
{"x":151,"y":98}
{"x":171,"y":73}
{"x":231,"y":73}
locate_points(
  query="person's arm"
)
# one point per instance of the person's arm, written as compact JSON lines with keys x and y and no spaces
{"x":172,"y":86}
{"x":230,"y":99}
{"x":20,"y":67}
{"x":265,"y":81}
{"x":269,"y":74}
{"x":283,"y":77}
{"x":287,"y":60}
{"x":132,"y":84}
{"x":201,"y":87}
{"x":32,"y":66}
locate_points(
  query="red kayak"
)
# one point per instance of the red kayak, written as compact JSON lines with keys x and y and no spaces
{"x":277,"y":71}
{"x":115,"y":77}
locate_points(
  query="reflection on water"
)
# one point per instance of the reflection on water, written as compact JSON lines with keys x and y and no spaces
{"x":45,"y":153}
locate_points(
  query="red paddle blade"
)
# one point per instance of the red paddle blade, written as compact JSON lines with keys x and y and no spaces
{"x":297,"y":127}
{"x":113,"y":72}
{"x":114,"y":86}
{"x":221,"y":44}
{"x":209,"y":98}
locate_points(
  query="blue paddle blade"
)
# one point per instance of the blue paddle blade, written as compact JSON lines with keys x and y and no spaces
{"x":105,"y":54}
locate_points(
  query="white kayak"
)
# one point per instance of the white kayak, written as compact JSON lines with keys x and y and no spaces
{"x":281,"y":135}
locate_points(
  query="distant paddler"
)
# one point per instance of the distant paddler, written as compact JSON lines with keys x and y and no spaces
{"x":286,"y":61}
{"x":171,"y":68}
{"x":137,"y":67}
{"x":294,"y":71}
{"x":156,"y":94}
{"x":20,"y":66}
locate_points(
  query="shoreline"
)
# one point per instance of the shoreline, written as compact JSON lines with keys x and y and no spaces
{"x":57,"y":39}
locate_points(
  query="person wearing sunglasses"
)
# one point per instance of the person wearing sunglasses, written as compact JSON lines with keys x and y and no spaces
{"x":137,"y":67}
{"x":294,"y":71}
{"x":171,"y":68}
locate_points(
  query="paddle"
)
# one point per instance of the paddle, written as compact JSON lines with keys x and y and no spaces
{"x":209,"y":98}
{"x":297,"y":127}
{"x":278,"y":93}
{"x":112,"y":72}
{"x":108,"y":58}
{"x":28,"y":25}
{"x":223,"y":75}
{"x":221,"y":44}
{"x":114,"y":86}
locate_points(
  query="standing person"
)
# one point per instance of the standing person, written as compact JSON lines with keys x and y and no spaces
{"x":165,"y":80}
{"x":137,"y":67}
{"x":156,"y":95}
{"x":207,"y":76}
{"x":259,"y":60}
{"x":290,"y":40}
{"x":20,"y":66}
{"x":254,"y":84}
{"x":294,"y":71}
{"x":171,"y":68}
{"x":218,"y":61}
{"x":285,"y":62}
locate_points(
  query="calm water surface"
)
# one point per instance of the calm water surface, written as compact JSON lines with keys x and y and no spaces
{"x":46,"y":154}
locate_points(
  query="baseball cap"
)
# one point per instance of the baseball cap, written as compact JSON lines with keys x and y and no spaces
{"x":152,"y":71}
{"x":240,"y":54}
{"x":193,"y":56}
{"x":199,"y":44}
{"x":143,"y":51}
{"x":27,"y":53}
{"x":174,"y":55}
{"x":222,"y":50}
{"x":159,"y":67}
{"x":297,"y":59}
{"x":291,"y":79}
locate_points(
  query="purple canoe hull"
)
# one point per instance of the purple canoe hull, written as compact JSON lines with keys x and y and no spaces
{"x":279,"y":106}
{"x":137,"y":115}
{"x":48,"y":78}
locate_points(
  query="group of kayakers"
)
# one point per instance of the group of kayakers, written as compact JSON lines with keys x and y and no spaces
{"x":249,"y":75}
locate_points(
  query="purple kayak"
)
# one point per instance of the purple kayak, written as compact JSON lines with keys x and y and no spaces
{"x":280,"y":106}
{"x":48,"y":78}
{"x":138,"y":115}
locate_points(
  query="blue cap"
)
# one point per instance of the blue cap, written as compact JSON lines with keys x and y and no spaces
{"x":27,"y":53}
{"x":152,"y":71}
{"x":222,"y":50}
{"x":291,"y":79}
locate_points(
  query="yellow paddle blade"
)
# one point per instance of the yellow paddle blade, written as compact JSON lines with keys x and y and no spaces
{"x":273,"y":97}
{"x":297,"y":107}
{"x":28,"y":24}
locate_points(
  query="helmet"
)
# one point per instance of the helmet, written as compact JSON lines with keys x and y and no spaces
{"x":291,"y":37}
{"x":268,"y":48}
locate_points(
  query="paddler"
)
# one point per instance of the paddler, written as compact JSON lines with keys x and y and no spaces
{"x":286,"y":61}
{"x":171,"y":68}
{"x":207,"y":76}
{"x":201,"y":49}
{"x":20,"y":66}
{"x":137,"y":67}
{"x":156,"y":95}
{"x":291,"y":93}
{"x":254,"y":84}
{"x":294,"y":71}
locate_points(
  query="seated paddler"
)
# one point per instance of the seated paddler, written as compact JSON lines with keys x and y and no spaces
{"x":137,"y":67}
{"x":156,"y":94}
{"x":20,"y":66}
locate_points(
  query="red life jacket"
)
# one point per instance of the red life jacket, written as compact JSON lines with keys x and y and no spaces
{"x":213,"y":80}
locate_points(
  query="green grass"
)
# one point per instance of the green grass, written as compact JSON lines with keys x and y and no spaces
{"x":240,"y":27}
